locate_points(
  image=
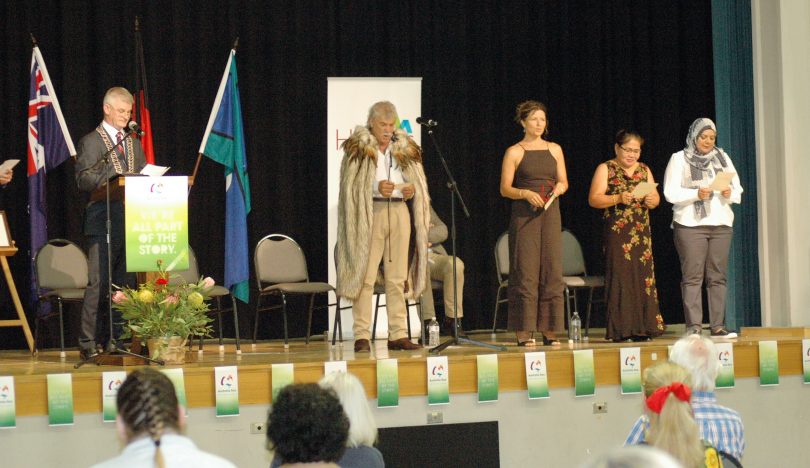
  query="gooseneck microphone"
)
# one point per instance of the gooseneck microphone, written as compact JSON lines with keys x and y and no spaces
{"x":135,"y":128}
{"x":424,"y":121}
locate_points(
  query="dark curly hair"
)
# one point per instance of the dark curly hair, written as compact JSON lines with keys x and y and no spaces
{"x":307,"y":424}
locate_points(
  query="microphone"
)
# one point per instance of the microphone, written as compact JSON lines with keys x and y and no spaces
{"x":426,"y":122}
{"x":135,"y":128}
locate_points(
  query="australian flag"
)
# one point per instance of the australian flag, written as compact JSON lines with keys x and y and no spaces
{"x":49,"y":145}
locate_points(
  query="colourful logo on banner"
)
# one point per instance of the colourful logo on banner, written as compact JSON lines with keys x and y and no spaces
{"x":536,"y":365}
{"x":724,"y":356}
{"x":113,"y":385}
{"x":630,"y":361}
{"x":156,"y":188}
{"x":438,"y":371}
{"x":226,"y":381}
{"x":4,"y":392}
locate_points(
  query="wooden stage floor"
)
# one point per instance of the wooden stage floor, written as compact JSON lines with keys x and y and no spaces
{"x":254,"y":365}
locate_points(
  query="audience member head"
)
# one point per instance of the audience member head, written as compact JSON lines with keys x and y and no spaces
{"x":698,"y":355}
{"x":668,"y":407}
{"x":147,"y":407}
{"x":349,"y":389}
{"x":633,"y":456}
{"x":307,"y":425}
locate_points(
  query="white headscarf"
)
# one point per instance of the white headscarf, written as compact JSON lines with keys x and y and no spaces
{"x":701,"y":168}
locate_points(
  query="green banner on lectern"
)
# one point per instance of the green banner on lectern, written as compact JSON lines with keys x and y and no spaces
{"x":156,"y":223}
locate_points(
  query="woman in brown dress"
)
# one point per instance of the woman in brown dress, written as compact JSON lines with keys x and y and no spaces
{"x":532,"y":175}
{"x":632,"y":298}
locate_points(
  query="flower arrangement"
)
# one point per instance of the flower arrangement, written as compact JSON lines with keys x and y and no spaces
{"x":162,"y":309}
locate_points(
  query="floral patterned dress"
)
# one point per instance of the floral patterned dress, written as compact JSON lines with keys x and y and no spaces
{"x":632,"y":298}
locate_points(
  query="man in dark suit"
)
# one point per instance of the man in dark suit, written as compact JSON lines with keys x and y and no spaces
{"x":92,"y":172}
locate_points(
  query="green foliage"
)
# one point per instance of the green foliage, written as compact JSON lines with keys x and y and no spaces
{"x":159,"y":309}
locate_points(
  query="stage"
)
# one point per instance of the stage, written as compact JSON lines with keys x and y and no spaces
{"x":254,"y":365}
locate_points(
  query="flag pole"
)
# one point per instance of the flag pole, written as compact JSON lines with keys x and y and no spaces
{"x":200,"y":155}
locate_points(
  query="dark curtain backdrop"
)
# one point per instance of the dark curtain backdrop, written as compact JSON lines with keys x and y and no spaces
{"x":599,"y":66}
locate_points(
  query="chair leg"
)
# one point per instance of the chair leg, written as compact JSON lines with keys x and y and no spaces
{"x":374,"y":324}
{"x":337,"y":323}
{"x":408,"y":316}
{"x":588,"y":311}
{"x":568,"y":308}
{"x":219,"y":319}
{"x":497,"y":304}
{"x":61,"y":330}
{"x":256,"y":319}
{"x":284,"y":310}
{"x":309,"y":318}
{"x":236,"y":324}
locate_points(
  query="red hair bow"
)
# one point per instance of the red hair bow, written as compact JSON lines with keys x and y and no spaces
{"x":656,"y":401}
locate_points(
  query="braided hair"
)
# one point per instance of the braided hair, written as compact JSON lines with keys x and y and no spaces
{"x":147,"y":405}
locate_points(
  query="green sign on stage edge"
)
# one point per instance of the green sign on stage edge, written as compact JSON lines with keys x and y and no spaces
{"x":584,"y":375}
{"x":725,"y":376}
{"x":60,"y":399}
{"x":8,"y":405}
{"x":281,"y":375}
{"x":387,"y":383}
{"x":768,"y":363}
{"x":438,"y":380}
{"x":487,"y":377}
{"x":110,"y":381}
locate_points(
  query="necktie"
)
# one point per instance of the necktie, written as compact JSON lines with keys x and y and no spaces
{"x":118,"y":137}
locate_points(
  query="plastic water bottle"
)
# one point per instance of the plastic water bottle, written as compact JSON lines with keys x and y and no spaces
{"x":433,"y":333}
{"x":576,"y":328}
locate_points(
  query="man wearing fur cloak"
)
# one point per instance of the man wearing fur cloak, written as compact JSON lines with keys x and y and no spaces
{"x":383,"y":216}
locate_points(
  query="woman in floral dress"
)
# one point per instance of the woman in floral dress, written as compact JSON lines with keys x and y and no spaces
{"x":632,"y":298}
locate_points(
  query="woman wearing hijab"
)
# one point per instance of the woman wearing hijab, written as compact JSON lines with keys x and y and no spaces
{"x":702,"y":223}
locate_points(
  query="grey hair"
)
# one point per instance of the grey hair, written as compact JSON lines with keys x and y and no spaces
{"x":120,"y":93}
{"x":382,"y":109}
{"x":352,"y":396}
{"x":698,"y":355}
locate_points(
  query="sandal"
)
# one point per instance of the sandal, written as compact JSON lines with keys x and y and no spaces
{"x":550,"y":340}
{"x":524,"y":338}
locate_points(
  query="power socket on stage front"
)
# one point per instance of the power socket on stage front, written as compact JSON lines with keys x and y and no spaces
{"x":600,"y":408}
{"x":258,"y":428}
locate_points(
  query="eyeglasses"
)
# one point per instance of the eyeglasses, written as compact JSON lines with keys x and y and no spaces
{"x":631,"y":151}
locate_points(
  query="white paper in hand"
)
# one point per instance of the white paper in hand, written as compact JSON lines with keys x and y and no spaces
{"x":643,"y":189}
{"x":722,"y":181}
{"x":8,"y":165}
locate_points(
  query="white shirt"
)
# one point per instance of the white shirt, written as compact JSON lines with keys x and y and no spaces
{"x":178,"y":452}
{"x":396,"y":176}
{"x":112,"y":131}
{"x":682,"y":199}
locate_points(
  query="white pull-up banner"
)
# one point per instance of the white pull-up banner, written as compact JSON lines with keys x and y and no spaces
{"x":348,"y":102}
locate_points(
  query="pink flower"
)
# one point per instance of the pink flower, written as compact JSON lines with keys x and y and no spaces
{"x":172,"y":299}
{"x":119,"y":297}
{"x":208,"y":282}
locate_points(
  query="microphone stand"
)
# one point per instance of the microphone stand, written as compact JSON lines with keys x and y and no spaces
{"x":453,"y":187}
{"x":113,"y":348}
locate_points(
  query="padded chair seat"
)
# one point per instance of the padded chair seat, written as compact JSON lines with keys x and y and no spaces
{"x":584,"y":281}
{"x":65,"y":294}
{"x":300,"y":288}
{"x":218,"y":290}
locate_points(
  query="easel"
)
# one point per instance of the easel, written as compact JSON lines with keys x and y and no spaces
{"x":7,"y":250}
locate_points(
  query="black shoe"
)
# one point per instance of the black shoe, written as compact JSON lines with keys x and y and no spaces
{"x":88,"y":354}
{"x":638,"y":338}
{"x":723,"y":332}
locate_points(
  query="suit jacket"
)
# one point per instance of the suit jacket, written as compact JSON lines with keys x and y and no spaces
{"x":92,"y":173}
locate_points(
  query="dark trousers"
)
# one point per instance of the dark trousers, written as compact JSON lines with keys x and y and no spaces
{"x":95,"y":311}
{"x":703,"y":251}
{"x":535,"y":269}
